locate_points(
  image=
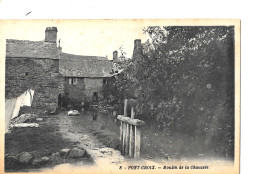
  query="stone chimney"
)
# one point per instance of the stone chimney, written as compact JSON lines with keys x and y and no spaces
{"x":51,"y":34}
{"x":115,"y":56}
{"x":138,"y":50}
{"x":59,"y":51}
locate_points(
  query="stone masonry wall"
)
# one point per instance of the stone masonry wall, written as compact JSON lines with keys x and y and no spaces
{"x":41,"y":75}
{"x":84,"y":89}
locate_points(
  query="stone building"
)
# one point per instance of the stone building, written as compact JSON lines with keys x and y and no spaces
{"x":43,"y":67}
{"x":85,"y":76}
{"x":34,"y":65}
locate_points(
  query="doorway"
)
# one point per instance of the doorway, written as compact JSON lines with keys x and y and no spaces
{"x":95,"y":96}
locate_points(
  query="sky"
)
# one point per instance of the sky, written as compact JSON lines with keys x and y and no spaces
{"x":91,"y":37}
{"x":81,"y":37}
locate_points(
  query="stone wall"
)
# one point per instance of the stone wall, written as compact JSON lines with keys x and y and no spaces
{"x":93,"y":85}
{"x":84,"y":89}
{"x":41,"y":75}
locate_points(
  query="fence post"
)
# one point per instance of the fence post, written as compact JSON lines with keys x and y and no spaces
{"x":121,"y":131}
{"x":130,"y":133}
{"x":124,"y":127}
{"x":131,"y":143}
{"x":124,"y":138}
{"x":137,"y":142}
{"x":125,"y":108}
{"x":127,"y":139}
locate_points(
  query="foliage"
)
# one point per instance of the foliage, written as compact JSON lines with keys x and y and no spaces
{"x":185,"y":81}
{"x":122,"y":53}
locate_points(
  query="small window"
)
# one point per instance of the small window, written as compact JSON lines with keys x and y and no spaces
{"x":73,"y":80}
{"x":104,"y":81}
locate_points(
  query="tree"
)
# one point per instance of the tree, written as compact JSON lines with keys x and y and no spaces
{"x":122,"y":56}
{"x":185,"y":81}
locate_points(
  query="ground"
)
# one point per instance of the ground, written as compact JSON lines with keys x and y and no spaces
{"x":60,"y":131}
{"x":98,"y":134}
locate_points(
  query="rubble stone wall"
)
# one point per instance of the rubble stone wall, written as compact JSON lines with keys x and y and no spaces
{"x":84,"y":89}
{"x":41,"y":75}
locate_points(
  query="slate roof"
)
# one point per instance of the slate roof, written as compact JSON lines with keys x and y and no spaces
{"x":31,"y":49}
{"x":84,"y":66}
{"x":73,"y":56}
{"x":70,"y":65}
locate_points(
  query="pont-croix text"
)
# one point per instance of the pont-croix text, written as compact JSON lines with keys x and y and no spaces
{"x":167,"y":167}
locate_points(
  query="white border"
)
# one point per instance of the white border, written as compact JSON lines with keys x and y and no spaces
{"x":248,"y":12}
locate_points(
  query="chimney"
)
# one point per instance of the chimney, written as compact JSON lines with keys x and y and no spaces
{"x":137,"y":49}
{"x":59,"y":51}
{"x":51,"y":34}
{"x":115,"y":56}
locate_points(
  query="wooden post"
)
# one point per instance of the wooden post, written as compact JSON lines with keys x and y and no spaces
{"x":121,"y":131}
{"x":124,"y":129}
{"x":132,"y":113}
{"x":127,"y":139}
{"x":125,"y":108}
{"x":137,"y":142}
{"x":131,"y":143}
{"x":123,"y":138}
{"x":130,"y":133}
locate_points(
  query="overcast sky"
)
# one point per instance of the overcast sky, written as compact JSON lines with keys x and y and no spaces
{"x":82,"y":37}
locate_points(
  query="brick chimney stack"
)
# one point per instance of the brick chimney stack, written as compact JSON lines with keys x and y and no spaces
{"x":51,"y":34}
{"x":137,"y":49}
{"x":115,"y":56}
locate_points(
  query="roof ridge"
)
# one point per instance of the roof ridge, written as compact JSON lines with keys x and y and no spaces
{"x":79,"y":59}
{"x":85,"y":67}
{"x":82,"y":55}
{"x":24,"y":40}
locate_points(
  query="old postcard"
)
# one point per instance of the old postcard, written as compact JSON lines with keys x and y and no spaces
{"x":120,"y":96}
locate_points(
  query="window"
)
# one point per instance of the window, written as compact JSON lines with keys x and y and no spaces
{"x":95,"y":96}
{"x":73,"y":80}
{"x":104,"y":81}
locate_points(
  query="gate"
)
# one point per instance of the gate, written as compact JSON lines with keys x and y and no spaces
{"x":130,"y":133}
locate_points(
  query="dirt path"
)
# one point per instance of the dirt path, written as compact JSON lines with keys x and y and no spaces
{"x":79,"y":131}
{"x":98,"y":136}
{"x":101,"y":154}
